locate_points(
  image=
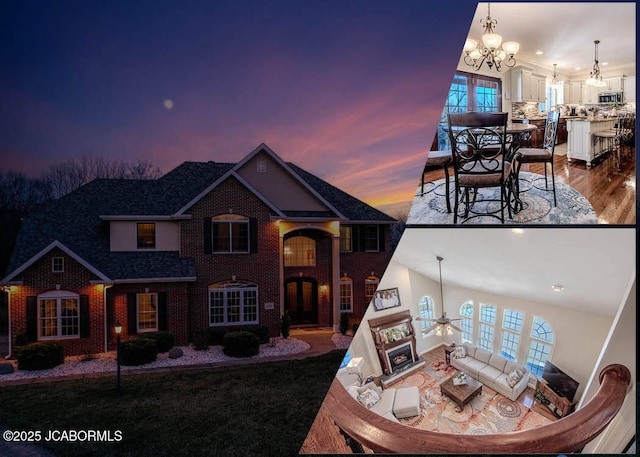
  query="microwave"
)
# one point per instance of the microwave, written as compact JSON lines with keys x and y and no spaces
{"x":610,"y":97}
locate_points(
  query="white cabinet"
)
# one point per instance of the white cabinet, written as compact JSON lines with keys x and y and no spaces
{"x":542,"y":87}
{"x":527,"y":87}
{"x":629,"y":85}
{"x":589,"y":94}
{"x":614,"y":84}
{"x":575,"y":92}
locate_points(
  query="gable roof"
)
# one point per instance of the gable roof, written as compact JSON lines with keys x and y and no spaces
{"x":77,"y":220}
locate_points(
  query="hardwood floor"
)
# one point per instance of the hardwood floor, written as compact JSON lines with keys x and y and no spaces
{"x":611,"y":192}
{"x":324,"y":436}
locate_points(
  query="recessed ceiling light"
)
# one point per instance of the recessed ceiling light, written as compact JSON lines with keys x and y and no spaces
{"x":517,"y":231}
{"x":539,"y":53}
{"x":557,"y":287}
{"x":605,"y":63}
{"x":578,"y":68}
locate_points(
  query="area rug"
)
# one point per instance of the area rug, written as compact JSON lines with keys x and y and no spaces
{"x":572,"y":208}
{"x":488,"y":413}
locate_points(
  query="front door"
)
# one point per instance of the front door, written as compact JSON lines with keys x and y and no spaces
{"x":302,"y":300}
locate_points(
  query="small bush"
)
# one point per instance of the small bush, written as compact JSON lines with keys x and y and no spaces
{"x":355,"y":328}
{"x":21,"y":338}
{"x":39,"y":356}
{"x":240,"y":344}
{"x":344,"y":323}
{"x":164,"y":340}
{"x":285,"y":325}
{"x":138,"y":351}
{"x":200,"y":339}
{"x":216,"y":334}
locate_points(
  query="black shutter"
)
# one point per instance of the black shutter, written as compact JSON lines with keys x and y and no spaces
{"x":206,"y":229}
{"x":162,"y":311}
{"x":356,"y":238}
{"x":84,"y":316}
{"x":381,"y":238}
{"x":132,"y":314}
{"x":253,"y":235}
{"x":32,"y":318}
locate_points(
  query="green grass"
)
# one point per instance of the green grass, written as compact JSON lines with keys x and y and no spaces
{"x":262,"y":409}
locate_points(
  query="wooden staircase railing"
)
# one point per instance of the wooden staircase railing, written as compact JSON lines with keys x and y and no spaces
{"x":568,"y":434}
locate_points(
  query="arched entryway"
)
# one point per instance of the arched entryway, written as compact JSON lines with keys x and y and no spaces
{"x":301,"y":300}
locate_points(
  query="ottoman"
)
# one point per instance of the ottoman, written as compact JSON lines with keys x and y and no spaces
{"x":407,"y":402}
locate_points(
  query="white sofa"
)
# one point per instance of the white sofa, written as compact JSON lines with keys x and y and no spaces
{"x":492,"y":370}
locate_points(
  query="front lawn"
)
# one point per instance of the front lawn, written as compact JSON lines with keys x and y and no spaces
{"x":261,"y":409}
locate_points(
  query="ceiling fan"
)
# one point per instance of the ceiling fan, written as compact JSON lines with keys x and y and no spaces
{"x":442,"y":322}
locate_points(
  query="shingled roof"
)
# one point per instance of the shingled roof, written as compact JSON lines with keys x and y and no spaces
{"x":75,"y":219}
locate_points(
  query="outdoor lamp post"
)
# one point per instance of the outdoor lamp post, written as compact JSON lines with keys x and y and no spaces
{"x":118,"y":330}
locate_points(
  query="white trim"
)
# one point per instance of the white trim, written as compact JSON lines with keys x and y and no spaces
{"x":66,"y":250}
{"x":157,"y":302}
{"x":56,"y":295}
{"x":116,"y":217}
{"x":53,"y":264}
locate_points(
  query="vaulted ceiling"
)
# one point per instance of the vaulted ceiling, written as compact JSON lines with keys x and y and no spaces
{"x":595,"y":265}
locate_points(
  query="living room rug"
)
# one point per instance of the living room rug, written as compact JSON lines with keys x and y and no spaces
{"x":488,"y":413}
{"x":572,"y":208}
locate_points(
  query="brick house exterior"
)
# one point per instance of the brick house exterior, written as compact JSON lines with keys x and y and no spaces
{"x":208,"y":244}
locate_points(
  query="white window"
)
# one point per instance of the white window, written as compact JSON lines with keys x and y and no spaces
{"x":261,"y":165}
{"x":487,"y":323}
{"x":466,"y":310}
{"x":233,"y":302}
{"x":230,"y":233}
{"x":346,"y":295}
{"x":512,"y":322}
{"x":147,"y":312}
{"x":426,"y":310}
{"x":58,"y":315}
{"x":346,"y":240}
{"x":299,"y":251}
{"x":57,"y":264}
{"x":370,"y":286}
{"x":540,"y":346}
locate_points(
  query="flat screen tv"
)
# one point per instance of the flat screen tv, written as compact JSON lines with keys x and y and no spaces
{"x":560,"y":382}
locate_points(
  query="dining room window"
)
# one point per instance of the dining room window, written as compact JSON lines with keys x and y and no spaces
{"x":468,"y":92}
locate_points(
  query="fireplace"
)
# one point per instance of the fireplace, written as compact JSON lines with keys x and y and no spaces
{"x":399,"y":357}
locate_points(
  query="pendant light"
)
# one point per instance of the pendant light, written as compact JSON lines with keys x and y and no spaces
{"x":595,"y":78}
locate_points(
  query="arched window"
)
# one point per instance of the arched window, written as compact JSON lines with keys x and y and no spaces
{"x":299,"y":251}
{"x":512,"y":322}
{"x":487,"y":326}
{"x":346,"y":295}
{"x":370,"y":286}
{"x":58,"y":315}
{"x":426,"y":310}
{"x":466,"y":310}
{"x":233,"y":302}
{"x":540,"y":346}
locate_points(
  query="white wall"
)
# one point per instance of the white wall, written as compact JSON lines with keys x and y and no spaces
{"x":124,"y":236}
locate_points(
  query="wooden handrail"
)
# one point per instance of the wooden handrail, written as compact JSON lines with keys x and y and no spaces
{"x":568,"y":434}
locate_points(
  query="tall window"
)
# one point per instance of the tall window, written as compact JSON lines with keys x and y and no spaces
{"x":146,"y":235}
{"x":299,"y":251}
{"x":466,"y":310}
{"x":425,"y":310}
{"x":147,"y":312}
{"x":346,"y":240}
{"x":58,"y":315}
{"x":346,"y":295}
{"x":230,"y":233}
{"x":370,"y":286}
{"x":487,"y":323}
{"x":469,"y":92}
{"x":540,"y":347}
{"x":371,"y":242}
{"x":511,"y":328}
{"x":233,"y":302}
{"x":57,"y":264}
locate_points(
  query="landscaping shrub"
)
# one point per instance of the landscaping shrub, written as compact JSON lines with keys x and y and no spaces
{"x":200,"y":339}
{"x":355,"y":327}
{"x":344,"y":323}
{"x":39,"y":356}
{"x":285,"y":325}
{"x":165,"y":340}
{"x":240,"y":344}
{"x":138,"y":351}
{"x":217,"y":333}
{"x":21,"y":338}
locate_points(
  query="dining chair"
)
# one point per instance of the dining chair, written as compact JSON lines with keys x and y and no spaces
{"x":542,"y":155}
{"x":437,"y":159}
{"x":478,"y":145}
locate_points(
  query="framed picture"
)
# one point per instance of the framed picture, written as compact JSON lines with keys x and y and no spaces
{"x":385,"y":299}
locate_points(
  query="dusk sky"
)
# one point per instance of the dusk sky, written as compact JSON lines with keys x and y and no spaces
{"x":349,"y":90}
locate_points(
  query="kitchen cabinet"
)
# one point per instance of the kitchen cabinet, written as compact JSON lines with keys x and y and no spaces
{"x":614,"y":84}
{"x":561,"y":136}
{"x":537,"y":136}
{"x":580,"y":143}
{"x":575,"y":92}
{"x":527,"y":87}
{"x":629,"y":87}
{"x":589,"y":94}
{"x":539,"y":88}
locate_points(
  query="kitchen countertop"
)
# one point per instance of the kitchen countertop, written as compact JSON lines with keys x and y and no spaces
{"x":593,"y":119}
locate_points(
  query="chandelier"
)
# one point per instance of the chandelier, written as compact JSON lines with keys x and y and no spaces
{"x":554,"y":81}
{"x":492,"y":50}
{"x":595,"y":79}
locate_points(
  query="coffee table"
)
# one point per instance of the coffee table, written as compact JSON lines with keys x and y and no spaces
{"x":463,"y":393}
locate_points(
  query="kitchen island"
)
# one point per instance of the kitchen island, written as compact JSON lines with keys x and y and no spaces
{"x":580,"y":142}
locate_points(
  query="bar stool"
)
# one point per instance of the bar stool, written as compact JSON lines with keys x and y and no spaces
{"x":437,"y":159}
{"x":610,"y":141}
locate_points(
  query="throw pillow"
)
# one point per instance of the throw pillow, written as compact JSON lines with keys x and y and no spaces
{"x":520,"y":372}
{"x":368,"y":398}
{"x":353,"y":391}
{"x":513,"y":378}
{"x":459,"y":353}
